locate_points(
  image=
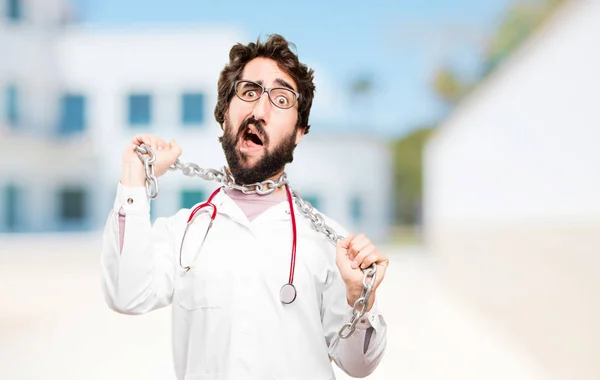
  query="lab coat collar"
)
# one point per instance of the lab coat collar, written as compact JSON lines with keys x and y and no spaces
{"x":227,"y":206}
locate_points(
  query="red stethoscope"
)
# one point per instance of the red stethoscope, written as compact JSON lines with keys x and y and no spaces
{"x":287,"y":293}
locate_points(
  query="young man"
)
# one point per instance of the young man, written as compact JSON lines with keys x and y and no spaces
{"x":232,"y":318}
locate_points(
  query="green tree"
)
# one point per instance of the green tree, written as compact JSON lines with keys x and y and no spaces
{"x":408,"y":169}
{"x":520,"y":21}
{"x":515,"y":27}
{"x":448,"y":85}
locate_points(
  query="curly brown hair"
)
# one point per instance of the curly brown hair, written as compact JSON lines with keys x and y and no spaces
{"x":278,"y":49}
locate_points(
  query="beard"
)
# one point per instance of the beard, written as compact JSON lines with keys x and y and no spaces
{"x":272,"y":161}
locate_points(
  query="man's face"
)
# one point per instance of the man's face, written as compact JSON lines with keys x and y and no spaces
{"x":259,"y":138}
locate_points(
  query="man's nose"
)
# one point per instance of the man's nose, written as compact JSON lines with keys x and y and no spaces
{"x":262,"y":108}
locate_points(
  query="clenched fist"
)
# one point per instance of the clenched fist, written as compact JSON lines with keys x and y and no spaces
{"x":167,"y":153}
{"x":354,"y":254}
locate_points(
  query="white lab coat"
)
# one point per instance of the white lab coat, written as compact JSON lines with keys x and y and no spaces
{"x":228,"y":320}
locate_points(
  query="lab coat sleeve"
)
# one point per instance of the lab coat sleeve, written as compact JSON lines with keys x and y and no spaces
{"x":137,"y":258}
{"x":359,"y":354}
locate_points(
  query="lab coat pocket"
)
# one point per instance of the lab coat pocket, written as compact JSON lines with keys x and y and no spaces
{"x":200,"y":288}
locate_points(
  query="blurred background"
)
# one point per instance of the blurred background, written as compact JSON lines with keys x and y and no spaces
{"x":460,"y":136}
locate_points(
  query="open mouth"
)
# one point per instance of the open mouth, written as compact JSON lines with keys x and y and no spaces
{"x":251,"y":139}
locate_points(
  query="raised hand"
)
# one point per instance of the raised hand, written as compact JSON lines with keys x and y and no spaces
{"x":352,"y":255}
{"x":167,"y":153}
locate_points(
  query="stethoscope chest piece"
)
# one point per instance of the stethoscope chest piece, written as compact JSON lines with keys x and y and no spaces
{"x":287,"y":294}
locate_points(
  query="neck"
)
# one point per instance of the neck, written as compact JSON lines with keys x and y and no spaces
{"x":274,"y":178}
{"x":279,"y":190}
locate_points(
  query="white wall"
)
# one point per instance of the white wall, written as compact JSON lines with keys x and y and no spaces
{"x":525,"y":144}
{"x":511,"y":196}
{"x":338,"y":168}
{"x":29,"y":63}
{"x":27,"y":159}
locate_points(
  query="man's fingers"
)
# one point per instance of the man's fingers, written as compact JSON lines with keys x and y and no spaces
{"x":357,"y":244}
{"x":341,"y":250}
{"x":345,"y":242}
{"x":368,"y":251}
{"x":153,"y":142}
{"x":142,"y":139}
{"x":370,"y":259}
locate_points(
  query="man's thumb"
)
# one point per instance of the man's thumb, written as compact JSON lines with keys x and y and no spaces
{"x":345,"y":243}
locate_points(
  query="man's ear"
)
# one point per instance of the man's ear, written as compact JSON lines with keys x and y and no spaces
{"x":300,"y":134}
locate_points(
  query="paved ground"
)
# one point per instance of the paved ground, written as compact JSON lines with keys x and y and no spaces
{"x":54,"y":323}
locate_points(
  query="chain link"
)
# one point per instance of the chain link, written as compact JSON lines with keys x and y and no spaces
{"x":151,"y":181}
{"x":360,"y":305}
{"x":147,"y":156}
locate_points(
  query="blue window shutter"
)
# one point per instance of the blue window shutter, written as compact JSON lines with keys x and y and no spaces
{"x":191,"y":197}
{"x":313,"y":199}
{"x":73,"y":118}
{"x":192,"y":109}
{"x":356,"y":207}
{"x":12,"y":199}
{"x":14,"y":10}
{"x":140,"y":109}
{"x":12,"y":106}
{"x":72,"y":205}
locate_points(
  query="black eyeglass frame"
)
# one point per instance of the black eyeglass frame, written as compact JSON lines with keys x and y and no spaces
{"x":267,"y":90}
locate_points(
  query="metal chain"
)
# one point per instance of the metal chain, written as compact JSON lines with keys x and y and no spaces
{"x":193,"y":170}
{"x":151,"y":181}
{"x":264,"y":188}
{"x":224,"y":177}
{"x":360,"y":305}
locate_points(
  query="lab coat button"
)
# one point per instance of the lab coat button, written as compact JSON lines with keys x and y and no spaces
{"x":130,"y":200}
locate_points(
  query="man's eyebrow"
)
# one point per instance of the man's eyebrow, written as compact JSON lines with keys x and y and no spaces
{"x":283,"y":83}
{"x":250,"y":82}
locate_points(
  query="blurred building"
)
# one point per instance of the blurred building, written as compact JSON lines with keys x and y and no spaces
{"x":72,"y":97}
{"x":512,"y":199}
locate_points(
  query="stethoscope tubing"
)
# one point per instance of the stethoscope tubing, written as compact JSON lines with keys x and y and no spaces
{"x":191,"y":218}
{"x":213,"y":215}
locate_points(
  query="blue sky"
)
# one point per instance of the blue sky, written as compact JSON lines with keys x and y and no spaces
{"x":396,"y":43}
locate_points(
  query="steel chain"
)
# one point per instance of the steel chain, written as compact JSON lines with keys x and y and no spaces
{"x":360,"y":305}
{"x":147,"y":156}
{"x":151,"y":181}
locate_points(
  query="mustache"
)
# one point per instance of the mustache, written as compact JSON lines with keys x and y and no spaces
{"x":245,"y":126}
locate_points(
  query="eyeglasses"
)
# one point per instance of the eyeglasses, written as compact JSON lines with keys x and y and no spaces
{"x":281,"y":97}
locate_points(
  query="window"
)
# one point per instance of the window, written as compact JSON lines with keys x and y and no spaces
{"x":72,"y":205}
{"x":14,"y":10}
{"x":191,"y":197}
{"x":356,"y":209}
{"x":72,"y":114}
{"x":11,"y":207}
{"x":140,"y":109}
{"x":192,"y":109}
{"x":313,"y":199}
{"x":12,"y":106}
